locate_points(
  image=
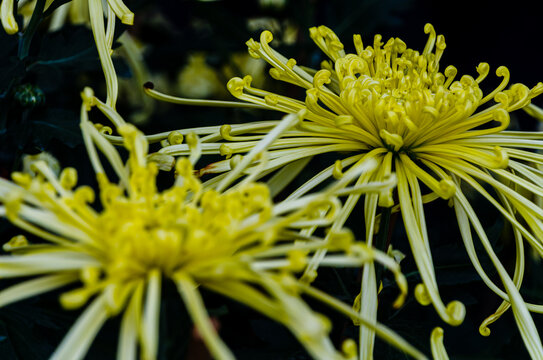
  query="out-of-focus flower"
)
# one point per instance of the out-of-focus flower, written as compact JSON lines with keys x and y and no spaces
{"x":232,"y":240}
{"x":130,"y":89}
{"x":242,"y":62}
{"x":275,"y":4}
{"x":288,"y":31}
{"x":75,"y":12}
{"x":49,"y":159}
{"x":197,"y":79}
{"x":392,"y":104}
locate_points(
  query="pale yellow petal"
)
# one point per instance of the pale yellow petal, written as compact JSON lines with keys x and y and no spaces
{"x":128,"y":335}
{"x":151,"y":316}
{"x":287,"y":122}
{"x":466,"y":216}
{"x":382,"y":331}
{"x":104,"y":52}
{"x":34,"y":287}
{"x":368,"y":292}
{"x":285,"y":176}
{"x":75,"y":344}
{"x":368,"y":310}
{"x":110,"y":27}
{"x":6,"y":15}
{"x":196,"y":310}
{"x":44,"y":262}
{"x":454,"y":312}
{"x":436,"y":342}
{"x":120,"y":9}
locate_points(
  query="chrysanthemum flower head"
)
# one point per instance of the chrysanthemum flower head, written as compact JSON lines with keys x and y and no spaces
{"x":233,"y":241}
{"x":436,"y":131}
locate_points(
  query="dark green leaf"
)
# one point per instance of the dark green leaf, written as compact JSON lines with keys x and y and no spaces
{"x":72,"y":46}
{"x":59,"y":124}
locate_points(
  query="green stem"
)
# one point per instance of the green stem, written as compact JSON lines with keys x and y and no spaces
{"x":35,"y":20}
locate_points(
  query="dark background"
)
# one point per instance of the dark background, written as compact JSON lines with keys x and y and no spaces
{"x":497,"y":32}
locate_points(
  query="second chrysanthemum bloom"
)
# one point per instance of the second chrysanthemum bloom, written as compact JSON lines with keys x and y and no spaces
{"x":392,"y":104}
{"x":235,"y":242}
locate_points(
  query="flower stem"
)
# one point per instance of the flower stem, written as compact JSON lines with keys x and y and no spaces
{"x":35,"y":20}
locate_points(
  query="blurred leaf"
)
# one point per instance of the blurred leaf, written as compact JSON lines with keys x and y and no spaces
{"x":59,"y":124}
{"x":72,"y":46}
{"x":32,"y":330}
{"x":10,"y":66}
{"x":8,"y":72}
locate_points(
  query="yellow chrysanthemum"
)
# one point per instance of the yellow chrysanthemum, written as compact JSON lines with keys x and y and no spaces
{"x":392,"y":104}
{"x":197,"y":79}
{"x":233,"y":241}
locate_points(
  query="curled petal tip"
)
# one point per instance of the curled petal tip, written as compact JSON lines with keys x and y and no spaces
{"x":428,"y":28}
{"x":88,"y":96}
{"x":421,"y":295}
{"x":436,"y":343}
{"x":235,"y":86}
{"x":502,"y":158}
{"x":266,"y":36}
{"x":337,"y":171}
{"x":484,"y":330}
{"x":175,"y":138}
{"x":502,"y":71}
{"x":457,"y":313}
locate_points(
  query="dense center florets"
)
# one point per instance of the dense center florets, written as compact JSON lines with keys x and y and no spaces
{"x":386,"y":96}
{"x":176,"y":229}
{"x":398,"y":94}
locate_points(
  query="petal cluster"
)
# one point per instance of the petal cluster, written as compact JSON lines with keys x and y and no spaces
{"x":437,"y":133}
{"x":114,"y":248}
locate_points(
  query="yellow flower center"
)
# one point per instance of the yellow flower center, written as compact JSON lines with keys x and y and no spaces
{"x":175,"y":229}
{"x":394,"y":94}
{"x":387,"y":96}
